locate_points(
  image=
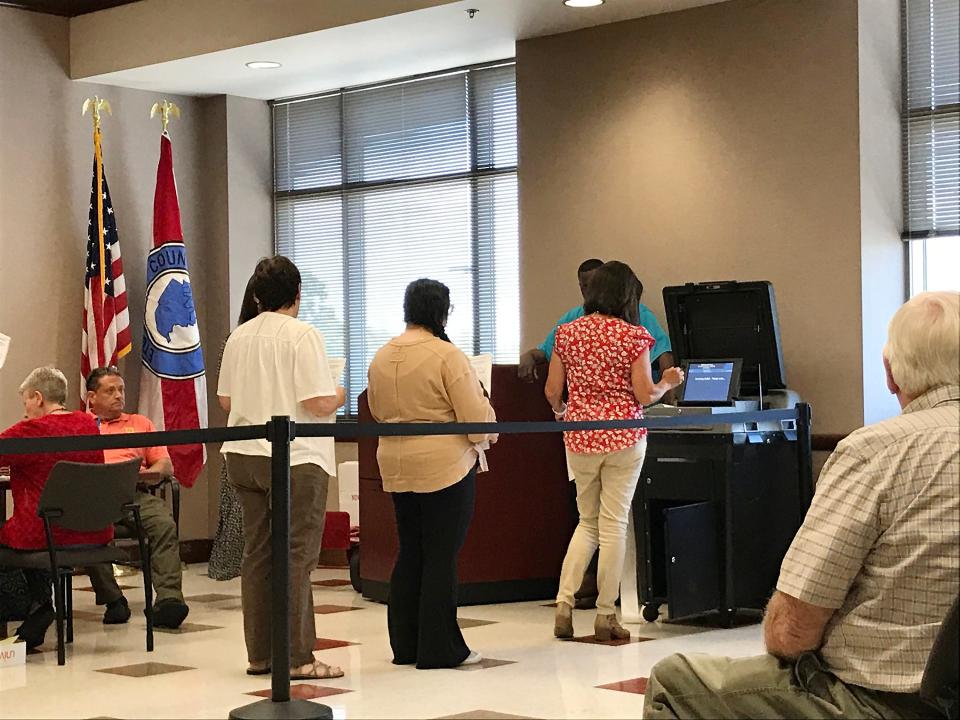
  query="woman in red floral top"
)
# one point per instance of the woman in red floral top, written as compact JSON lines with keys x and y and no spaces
{"x":25,"y":593}
{"x":603,"y":359}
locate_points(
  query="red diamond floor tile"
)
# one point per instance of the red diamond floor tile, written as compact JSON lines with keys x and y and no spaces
{"x":329,"y":609}
{"x":122,"y":587}
{"x":591,"y":640}
{"x":637,"y":685}
{"x":305,"y":691}
{"x":328,"y":644}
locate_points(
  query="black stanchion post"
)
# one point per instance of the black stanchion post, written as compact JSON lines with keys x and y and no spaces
{"x":280,"y":432}
{"x":805,"y":454}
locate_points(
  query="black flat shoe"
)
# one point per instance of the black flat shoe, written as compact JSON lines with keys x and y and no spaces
{"x":117,"y":612}
{"x":170,"y":613}
{"x":34,"y":628}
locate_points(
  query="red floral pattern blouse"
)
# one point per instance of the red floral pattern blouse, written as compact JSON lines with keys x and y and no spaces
{"x":597,"y":352}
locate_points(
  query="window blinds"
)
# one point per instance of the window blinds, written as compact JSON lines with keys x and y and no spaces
{"x":378,"y":186}
{"x":931,"y":118}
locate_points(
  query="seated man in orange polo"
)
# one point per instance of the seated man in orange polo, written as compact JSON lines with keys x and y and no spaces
{"x":105,"y":397}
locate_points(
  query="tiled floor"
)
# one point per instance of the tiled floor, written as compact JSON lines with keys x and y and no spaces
{"x":199,"y":672}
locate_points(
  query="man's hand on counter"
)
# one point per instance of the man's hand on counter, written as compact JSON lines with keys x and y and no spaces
{"x":527,"y":367}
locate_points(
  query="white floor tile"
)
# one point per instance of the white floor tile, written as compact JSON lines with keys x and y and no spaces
{"x":548,"y":678}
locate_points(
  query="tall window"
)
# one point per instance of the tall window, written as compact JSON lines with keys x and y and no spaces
{"x":378,"y":186}
{"x":931,"y":142}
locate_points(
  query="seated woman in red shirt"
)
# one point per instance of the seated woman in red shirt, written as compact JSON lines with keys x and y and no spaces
{"x":25,"y":594}
{"x":604,"y":360}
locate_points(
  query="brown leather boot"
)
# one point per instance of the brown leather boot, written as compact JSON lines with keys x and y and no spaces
{"x":607,"y":627}
{"x":563,"y":621}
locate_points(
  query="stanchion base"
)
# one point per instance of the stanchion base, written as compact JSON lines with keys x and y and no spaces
{"x":294,"y":709}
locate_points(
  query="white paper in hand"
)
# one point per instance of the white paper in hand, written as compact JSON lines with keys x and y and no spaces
{"x":483,"y":367}
{"x":4,"y":346}
{"x":337,"y":366}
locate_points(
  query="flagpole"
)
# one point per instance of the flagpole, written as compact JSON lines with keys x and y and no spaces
{"x":97,"y":104}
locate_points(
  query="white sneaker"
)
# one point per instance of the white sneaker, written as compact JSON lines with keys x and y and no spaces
{"x":473,"y":658}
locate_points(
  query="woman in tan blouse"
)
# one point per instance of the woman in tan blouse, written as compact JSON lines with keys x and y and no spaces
{"x":421,"y":377}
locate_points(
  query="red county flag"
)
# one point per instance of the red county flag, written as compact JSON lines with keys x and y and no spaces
{"x":173,"y":387}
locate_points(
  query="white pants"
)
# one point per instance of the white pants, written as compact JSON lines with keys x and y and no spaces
{"x":605,"y":488}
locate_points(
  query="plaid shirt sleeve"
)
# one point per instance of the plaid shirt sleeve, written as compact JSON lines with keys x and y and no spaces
{"x":838,"y":532}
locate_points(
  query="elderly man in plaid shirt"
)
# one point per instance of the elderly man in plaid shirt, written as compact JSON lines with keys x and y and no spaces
{"x":871,"y":575}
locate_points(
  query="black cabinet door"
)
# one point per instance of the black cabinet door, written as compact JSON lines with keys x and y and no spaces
{"x":692,"y":559}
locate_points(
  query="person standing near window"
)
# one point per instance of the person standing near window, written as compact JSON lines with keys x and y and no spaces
{"x":277,"y":365}
{"x":422,"y":377}
{"x":603,"y":359}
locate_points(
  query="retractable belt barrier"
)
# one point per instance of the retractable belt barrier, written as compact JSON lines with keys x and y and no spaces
{"x":25,"y":446}
{"x":281,"y":430}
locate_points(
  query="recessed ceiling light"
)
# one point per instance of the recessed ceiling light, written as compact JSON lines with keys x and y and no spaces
{"x":263,"y":65}
{"x":582,"y":3}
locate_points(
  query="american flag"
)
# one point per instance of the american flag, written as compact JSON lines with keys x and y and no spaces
{"x":106,"y":320}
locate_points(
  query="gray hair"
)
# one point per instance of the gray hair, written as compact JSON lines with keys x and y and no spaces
{"x":49,"y":382}
{"x":923,"y":348}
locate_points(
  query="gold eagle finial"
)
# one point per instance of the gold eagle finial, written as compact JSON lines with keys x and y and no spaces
{"x":165,"y":108}
{"x":96,"y":103}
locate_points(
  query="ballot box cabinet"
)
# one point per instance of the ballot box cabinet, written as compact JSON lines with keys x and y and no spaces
{"x":715,"y":514}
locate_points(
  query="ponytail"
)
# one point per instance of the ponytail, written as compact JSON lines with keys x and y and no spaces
{"x":427,"y":303}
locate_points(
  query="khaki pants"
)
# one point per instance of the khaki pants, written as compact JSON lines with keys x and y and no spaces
{"x":159,"y":527}
{"x":250,"y":475}
{"x":704,"y":686}
{"x":605,"y":488}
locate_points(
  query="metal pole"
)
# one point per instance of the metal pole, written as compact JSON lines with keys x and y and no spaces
{"x":280,"y":432}
{"x":805,"y":455}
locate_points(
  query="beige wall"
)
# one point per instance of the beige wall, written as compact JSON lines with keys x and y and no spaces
{"x":45,"y":172}
{"x":881,"y":251}
{"x":250,"y":191}
{"x":156,"y":31}
{"x":710,"y":144}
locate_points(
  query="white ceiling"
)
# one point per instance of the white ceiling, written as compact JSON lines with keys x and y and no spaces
{"x":397,"y":46}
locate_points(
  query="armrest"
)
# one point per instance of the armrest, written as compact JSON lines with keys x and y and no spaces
{"x":152,"y":482}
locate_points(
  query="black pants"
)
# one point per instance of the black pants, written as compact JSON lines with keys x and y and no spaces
{"x":23,"y":590}
{"x":422,"y":612}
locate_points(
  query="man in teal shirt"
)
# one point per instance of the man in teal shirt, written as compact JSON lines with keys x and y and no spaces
{"x":661,"y":356}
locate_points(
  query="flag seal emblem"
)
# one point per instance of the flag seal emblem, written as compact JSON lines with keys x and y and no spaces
{"x":171,"y":336}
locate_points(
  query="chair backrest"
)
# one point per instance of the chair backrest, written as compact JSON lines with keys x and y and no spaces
{"x":941,"y":676}
{"x":89,"y":496}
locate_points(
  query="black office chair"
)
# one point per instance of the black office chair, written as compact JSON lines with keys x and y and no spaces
{"x":84,"y":497}
{"x":941,"y":676}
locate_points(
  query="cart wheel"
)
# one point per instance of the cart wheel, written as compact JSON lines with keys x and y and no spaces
{"x":651,"y":612}
{"x":353,"y":557}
